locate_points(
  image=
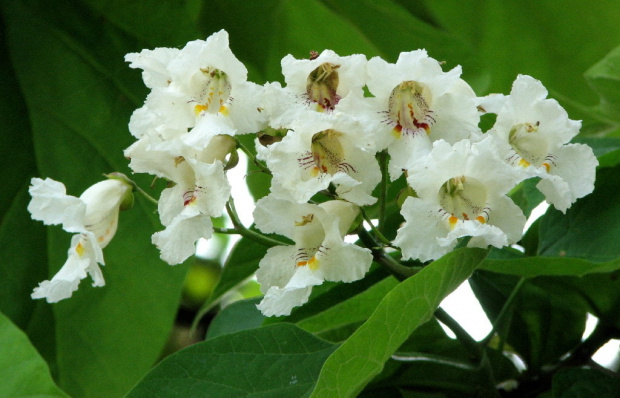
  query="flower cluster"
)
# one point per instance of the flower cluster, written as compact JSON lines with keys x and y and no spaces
{"x":321,"y":133}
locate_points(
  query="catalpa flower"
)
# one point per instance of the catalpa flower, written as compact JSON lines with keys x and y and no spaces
{"x":93,"y":216}
{"x":415,"y":103}
{"x":200,"y":189}
{"x":205,"y":86}
{"x":461,"y":191}
{"x":318,"y":84}
{"x":287,"y":273}
{"x":320,"y":151}
{"x":532,"y":135}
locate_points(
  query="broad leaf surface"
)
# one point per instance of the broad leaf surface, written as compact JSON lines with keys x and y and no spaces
{"x":578,"y":383}
{"x":274,"y":361}
{"x":352,"y":311}
{"x":541,"y":326}
{"x":534,"y":38}
{"x":22,"y":370}
{"x":604,"y":77}
{"x":591,"y":227}
{"x":406,"y":307}
{"x":80,"y":94}
{"x":238,"y":316}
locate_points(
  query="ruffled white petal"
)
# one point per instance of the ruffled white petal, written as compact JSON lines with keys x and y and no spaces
{"x":424,"y":225}
{"x":178,"y":241}
{"x":82,"y":260}
{"x":570,"y":177}
{"x":51,"y":204}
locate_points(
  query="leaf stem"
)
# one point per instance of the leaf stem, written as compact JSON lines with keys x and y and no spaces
{"x":461,"y":334}
{"x":399,"y":270}
{"x":382,"y":188}
{"x":374,"y":229}
{"x":123,"y":177}
{"x":503,"y":313}
{"x":251,"y":156}
{"x":245,"y":232}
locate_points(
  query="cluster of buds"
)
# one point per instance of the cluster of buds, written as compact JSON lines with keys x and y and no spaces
{"x":322,"y":132}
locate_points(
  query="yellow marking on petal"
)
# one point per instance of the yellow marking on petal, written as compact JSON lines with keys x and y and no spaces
{"x":481,"y":220}
{"x":313,"y":263}
{"x":79,"y":249}
{"x":547,"y":166}
{"x":224,"y":110}
{"x":301,"y":263}
{"x":315,"y":171}
{"x":198,"y":109}
{"x":453,"y":220}
{"x":524,"y":163}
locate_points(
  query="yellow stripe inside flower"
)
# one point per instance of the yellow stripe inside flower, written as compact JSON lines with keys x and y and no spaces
{"x":312,"y":263}
{"x":409,"y":108}
{"x":328,"y":153}
{"x":529,"y":144}
{"x":214,"y":92}
{"x":464,"y":198}
{"x":79,"y":249}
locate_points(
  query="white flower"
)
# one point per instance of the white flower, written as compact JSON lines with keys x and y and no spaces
{"x":532,"y":134}
{"x":324,"y":149}
{"x":200,"y":189}
{"x":287,"y":273}
{"x":205,"y":86}
{"x":94,"y":215}
{"x":415,"y":103}
{"x":461,"y":192}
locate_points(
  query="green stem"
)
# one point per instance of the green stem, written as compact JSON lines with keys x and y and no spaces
{"x":123,"y":177}
{"x":382,"y":258}
{"x":374,"y":229}
{"x":248,"y":233}
{"x":251,"y":156}
{"x":503,"y":313}
{"x":461,"y":334}
{"x":383,"y":188}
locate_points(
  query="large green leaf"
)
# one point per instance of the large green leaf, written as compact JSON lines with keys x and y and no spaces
{"x":352,"y":311}
{"x":406,"y":307}
{"x":591,"y":227}
{"x":393,"y":29}
{"x":238,"y":316}
{"x":546,"y":39}
{"x":579,"y":382}
{"x":80,"y":94}
{"x":242,"y":263}
{"x":431,"y":361}
{"x":274,"y":361}
{"x":22,"y":371}
{"x":20,"y":264}
{"x":529,"y":267}
{"x":604,"y":77}
{"x":541,"y":326}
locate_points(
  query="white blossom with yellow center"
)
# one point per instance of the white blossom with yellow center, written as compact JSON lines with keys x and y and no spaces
{"x":533,"y":134}
{"x":461,"y":191}
{"x":323,"y":150}
{"x":287,"y":273}
{"x":415,"y":103}
{"x":201,"y":87}
{"x":93,"y":216}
